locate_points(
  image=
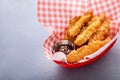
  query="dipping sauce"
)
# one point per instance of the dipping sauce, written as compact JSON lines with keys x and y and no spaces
{"x":64,"y":46}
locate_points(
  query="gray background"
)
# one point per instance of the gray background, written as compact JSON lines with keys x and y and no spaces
{"x":21,"y":51}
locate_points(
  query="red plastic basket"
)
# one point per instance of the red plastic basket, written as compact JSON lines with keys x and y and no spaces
{"x":55,"y":15}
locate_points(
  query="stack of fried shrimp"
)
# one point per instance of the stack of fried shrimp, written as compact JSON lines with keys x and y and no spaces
{"x":89,"y":33}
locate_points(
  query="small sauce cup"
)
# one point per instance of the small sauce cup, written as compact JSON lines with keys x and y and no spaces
{"x":64,"y":46}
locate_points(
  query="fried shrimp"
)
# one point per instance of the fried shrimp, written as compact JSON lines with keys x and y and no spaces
{"x":87,"y":33}
{"x":71,"y":23}
{"x":76,"y":55}
{"x":74,"y":29}
{"x":103,"y":31}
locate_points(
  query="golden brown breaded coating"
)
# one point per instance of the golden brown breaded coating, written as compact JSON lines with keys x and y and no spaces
{"x":71,"y":23}
{"x":74,"y":20}
{"x":72,"y":57}
{"x":103,"y":17}
{"x":82,"y":29}
{"x":76,"y":55}
{"x":103,"y":31}
{"x":95,"y":18}
{"x":86,"y":37}
{"x":75,"y":29}
{"x":87,"y":33}
{"x":66,"y":37}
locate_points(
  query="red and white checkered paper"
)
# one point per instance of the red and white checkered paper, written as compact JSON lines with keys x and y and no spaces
{"x":54,"y":15}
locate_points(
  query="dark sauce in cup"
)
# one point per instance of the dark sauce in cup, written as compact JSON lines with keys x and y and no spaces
{"x":64,"y":46}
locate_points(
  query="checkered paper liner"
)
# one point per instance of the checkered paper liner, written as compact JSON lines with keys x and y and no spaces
{"x":54,"y":15}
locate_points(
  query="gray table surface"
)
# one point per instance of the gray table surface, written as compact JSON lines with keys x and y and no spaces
{"x":21,"y":50}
